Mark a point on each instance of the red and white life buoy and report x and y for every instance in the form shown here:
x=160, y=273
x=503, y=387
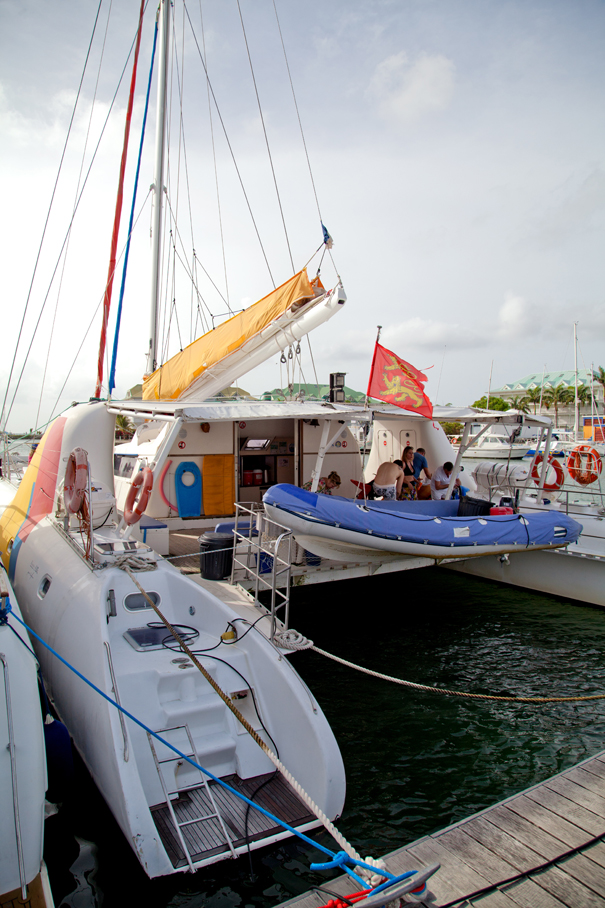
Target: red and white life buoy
x=76, y=480
x=133, y=509
x=556, y=466
x=584, y=465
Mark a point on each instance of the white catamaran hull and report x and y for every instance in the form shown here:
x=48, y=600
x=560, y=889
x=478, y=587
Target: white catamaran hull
x=22, y=764
x=576, y=572
x=83, y=611
x=565, y=573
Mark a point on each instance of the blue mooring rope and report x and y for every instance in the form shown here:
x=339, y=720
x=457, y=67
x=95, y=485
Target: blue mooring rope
x=338, y=859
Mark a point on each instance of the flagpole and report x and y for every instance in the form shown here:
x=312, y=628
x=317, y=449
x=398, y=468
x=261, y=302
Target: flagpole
x=379, y=327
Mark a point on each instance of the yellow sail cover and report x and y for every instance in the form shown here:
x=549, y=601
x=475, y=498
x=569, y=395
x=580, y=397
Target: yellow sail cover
x=174, y=377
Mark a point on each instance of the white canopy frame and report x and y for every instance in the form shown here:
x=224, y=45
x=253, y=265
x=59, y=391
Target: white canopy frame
x=504, y=418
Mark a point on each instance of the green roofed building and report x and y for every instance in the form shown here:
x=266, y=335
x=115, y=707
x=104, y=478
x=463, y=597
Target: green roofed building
x=531, y=387
x=551, y=380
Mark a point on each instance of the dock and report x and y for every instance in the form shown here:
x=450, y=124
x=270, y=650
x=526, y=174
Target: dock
x=542, y=848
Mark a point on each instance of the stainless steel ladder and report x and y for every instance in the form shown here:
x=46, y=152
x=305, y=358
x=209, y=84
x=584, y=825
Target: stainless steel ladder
x=178, y=825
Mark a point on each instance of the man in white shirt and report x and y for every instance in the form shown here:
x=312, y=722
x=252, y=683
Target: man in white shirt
x=441, y=480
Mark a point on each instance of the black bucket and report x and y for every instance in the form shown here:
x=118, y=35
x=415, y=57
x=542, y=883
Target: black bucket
x=216, y=555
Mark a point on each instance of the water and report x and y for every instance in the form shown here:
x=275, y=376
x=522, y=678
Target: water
x=415, y=761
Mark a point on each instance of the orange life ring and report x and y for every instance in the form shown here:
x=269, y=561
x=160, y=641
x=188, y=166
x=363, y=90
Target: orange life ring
x=133, y=509
x=584, y=464
x=76, y=480
x=559, y=474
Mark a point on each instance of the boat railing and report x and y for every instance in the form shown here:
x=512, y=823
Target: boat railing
x=263, y=550
x=591, y=496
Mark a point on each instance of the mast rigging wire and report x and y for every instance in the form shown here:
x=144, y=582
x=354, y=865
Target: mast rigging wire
x=262, y=119
x=302, y=133
x=218, y=199
x=65, y=240
x=116, y=337
x=231, y=152
x=92, y=320
x=118, y=209
x=88, y=128
x=52, y=198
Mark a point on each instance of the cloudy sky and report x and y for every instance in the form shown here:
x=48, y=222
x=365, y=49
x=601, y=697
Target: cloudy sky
x=457, y=153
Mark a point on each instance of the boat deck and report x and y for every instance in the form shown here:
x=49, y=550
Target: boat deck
x=205, y=840
x=542, y=848
x=184, y=554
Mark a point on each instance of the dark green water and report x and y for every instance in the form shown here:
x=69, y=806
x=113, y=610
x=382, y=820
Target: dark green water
x=415, y=762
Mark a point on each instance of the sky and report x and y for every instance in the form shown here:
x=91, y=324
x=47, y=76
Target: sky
x=456, y=150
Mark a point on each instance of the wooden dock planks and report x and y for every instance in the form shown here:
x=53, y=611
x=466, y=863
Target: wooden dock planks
x=516, y=853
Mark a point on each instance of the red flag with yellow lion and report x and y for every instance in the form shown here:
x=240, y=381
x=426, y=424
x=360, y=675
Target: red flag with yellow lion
x=397, y=382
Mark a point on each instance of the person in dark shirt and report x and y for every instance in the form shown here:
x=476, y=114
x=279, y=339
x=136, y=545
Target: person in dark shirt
x=421, y=463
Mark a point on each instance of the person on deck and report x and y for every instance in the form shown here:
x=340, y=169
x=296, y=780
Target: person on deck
x=325, y=484
x=441, y=480
x=388, y=481
x=421, y=465
x=408, y=488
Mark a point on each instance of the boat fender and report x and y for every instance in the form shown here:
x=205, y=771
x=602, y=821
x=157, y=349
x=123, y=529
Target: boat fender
x=76, y=480
x=133, y=509
x=584, y=465
x=559, y=474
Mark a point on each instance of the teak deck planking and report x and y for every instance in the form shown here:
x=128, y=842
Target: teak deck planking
x=497, y=858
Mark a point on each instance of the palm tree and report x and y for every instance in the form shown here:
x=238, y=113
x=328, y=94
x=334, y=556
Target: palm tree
x=521, y=404
x=533, y=396
x=124, y=426
x=556, y=397
x=584, y=395
x=598, y=375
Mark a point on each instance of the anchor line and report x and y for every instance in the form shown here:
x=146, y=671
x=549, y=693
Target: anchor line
x=293, y=640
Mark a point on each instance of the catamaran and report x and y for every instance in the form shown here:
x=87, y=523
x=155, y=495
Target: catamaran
x=163, y=665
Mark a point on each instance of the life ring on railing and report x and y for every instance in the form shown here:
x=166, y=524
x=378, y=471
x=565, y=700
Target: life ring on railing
x=76, y=480
x=133, y=509
x=584, y=464
x=559, y=474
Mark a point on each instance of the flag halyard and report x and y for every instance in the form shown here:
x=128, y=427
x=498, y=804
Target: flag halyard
x=396, y=382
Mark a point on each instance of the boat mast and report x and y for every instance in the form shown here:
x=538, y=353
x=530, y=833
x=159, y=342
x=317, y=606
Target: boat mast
x=489, y=387
x=576, y=420
x=158, y=183
x=592, y=404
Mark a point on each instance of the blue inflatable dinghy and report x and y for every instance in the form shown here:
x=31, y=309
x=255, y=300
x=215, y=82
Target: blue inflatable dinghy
x=347, y=529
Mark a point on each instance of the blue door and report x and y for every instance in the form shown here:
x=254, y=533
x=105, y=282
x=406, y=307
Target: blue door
x=188, y=485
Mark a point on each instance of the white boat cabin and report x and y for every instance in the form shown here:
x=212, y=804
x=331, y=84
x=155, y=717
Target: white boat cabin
x=207, y=456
